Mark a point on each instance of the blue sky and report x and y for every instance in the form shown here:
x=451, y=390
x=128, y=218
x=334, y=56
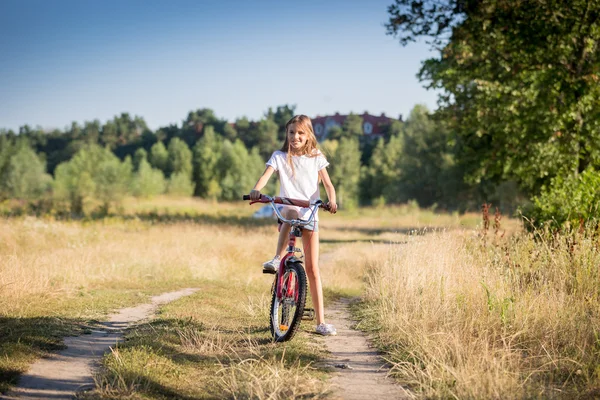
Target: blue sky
x=79, y=60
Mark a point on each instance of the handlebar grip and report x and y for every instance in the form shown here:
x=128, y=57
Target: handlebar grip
x=246, y=197
x=325, y=206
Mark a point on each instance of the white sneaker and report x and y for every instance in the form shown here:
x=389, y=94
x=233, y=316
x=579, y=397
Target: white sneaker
x=326, y=330
x=272, y=265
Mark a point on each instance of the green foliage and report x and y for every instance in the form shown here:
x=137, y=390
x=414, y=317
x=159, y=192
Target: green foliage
x=139, y=155
x=281, y=116
x=93, y=173
x=428, y=171
x=159, y=157
x=122, y=129
x=351, y=129
x=572, y=201
x=24, y=175
x=198, y=121
x=180, y=158
x=238, y=168
x=180, y=184
x=6, y=150
x=112, y=179
x=413, y=160
x=207, y=153
x=345, y=172
x=380, y=177
x=147, y=181
x=263, y=135
x=520, y=83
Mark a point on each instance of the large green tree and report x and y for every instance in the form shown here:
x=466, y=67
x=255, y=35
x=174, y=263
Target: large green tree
x=520, y=82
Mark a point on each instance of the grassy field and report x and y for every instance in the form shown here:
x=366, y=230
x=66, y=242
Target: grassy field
x=513, y=318
x=459, y=314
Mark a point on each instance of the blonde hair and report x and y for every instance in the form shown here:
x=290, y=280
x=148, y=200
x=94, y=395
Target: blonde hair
x=310, y=149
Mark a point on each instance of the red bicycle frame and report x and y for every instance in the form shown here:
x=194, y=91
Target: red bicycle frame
x=291, y=242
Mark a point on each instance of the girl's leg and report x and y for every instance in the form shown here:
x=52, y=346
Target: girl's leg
x=310, y=241
x=284, y=232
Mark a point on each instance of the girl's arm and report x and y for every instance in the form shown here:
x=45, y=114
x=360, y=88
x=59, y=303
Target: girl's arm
x=324, y=176
x=262, y=181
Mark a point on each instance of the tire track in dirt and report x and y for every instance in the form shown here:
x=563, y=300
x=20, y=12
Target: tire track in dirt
x=63, y=374
x=361, y=373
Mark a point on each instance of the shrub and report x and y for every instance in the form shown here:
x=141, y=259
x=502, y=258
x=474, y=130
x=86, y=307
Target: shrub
x=568, y=201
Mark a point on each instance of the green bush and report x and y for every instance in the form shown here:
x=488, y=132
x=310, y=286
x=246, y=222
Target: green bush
x=24, y=176
x=180, y=184
x=148, y=181
x=94, y=173
x=568, y=201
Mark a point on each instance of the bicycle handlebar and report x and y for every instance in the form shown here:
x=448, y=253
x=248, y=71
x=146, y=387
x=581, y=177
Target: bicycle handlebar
x=291, y=202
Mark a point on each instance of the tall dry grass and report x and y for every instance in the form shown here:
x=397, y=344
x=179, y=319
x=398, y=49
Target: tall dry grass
x=51, y=262
x=464, y=319
x=78, y=270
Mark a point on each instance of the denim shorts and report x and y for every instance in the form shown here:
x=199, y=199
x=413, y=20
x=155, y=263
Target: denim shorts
x=313, y=226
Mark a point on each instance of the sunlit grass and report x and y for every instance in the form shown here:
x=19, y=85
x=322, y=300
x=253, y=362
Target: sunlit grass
x=462, y=318
x=59, y=275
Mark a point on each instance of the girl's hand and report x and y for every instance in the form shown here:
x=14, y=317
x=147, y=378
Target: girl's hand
x=332, y=207
x=254, y=195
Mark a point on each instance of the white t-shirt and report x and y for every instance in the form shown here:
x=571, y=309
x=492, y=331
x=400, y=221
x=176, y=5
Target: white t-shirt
x=304, y=185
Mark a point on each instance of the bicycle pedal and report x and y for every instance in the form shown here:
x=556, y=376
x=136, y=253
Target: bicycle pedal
x=268, y=271
x=309, y=314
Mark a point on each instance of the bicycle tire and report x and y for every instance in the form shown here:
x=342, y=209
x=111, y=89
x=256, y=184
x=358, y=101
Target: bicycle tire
x=283, y=325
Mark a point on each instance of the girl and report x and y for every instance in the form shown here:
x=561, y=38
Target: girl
x=301, y=166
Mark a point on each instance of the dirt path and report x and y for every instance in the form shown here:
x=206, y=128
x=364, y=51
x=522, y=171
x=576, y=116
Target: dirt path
x=70, y=371
x=361, y=372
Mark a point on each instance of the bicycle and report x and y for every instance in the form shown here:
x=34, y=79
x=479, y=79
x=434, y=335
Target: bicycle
x=290, y=286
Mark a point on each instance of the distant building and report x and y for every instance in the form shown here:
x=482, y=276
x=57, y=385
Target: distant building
x=372, y=125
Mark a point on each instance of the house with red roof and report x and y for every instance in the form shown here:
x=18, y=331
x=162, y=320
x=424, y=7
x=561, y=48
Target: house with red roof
x=372, y=125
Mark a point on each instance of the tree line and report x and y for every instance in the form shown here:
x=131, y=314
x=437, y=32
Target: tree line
x=211, y=158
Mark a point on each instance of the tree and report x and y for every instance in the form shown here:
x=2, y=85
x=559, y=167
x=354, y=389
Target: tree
x=159, y=157
x=139, y=156
x=91, y=132
x=112, y=179
x=380, y=179
x=6, y=151
x=281, y=116
x=93, y=173
x=345, y=172
x=264, y=136
x=147, y=181
x=180, y=158
x=425, y=159
x=351, y=128
x=25, y=174
x=519, y=81
x=207, y=153
x=239, y=169
x=180, y=184
x=109, y=136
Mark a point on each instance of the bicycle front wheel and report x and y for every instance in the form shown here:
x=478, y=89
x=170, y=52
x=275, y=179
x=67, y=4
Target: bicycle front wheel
x=287, y=311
